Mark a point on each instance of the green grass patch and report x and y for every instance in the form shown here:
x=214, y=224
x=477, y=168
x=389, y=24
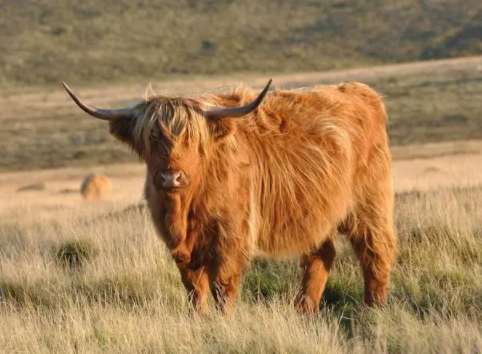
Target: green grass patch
x=73, y=254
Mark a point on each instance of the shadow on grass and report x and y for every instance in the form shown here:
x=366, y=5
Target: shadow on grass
x=267, y=279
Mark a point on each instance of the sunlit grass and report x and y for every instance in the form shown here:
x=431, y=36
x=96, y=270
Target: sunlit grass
x=127, y=296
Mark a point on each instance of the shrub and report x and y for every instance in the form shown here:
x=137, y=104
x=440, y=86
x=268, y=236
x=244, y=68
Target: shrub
x=74, y=253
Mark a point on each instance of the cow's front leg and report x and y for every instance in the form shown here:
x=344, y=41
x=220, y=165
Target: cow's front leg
x=182, y=253
x=233, y=251
x=225, y=291
x=196, y=282
x=225, y=274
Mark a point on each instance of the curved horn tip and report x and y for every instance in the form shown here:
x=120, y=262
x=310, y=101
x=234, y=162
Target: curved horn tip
x=69, y=90
x=265, y=90
x=239, y=111
x=104, y=114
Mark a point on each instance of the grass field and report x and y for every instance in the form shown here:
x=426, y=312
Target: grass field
x=94, y=278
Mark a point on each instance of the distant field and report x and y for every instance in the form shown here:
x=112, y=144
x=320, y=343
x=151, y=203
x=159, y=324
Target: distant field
x=427, y=102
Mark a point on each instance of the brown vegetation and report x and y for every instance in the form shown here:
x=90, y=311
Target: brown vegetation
x=96, y=186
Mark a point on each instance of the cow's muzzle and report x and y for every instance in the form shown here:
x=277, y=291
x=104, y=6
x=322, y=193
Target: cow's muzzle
x=171, y=179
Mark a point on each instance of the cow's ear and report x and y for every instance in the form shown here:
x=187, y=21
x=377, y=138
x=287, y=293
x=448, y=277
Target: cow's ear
x=121, y=129
x=222, y=129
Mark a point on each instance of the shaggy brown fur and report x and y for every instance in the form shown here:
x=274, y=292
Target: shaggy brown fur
x=278, y=181
x=96, y=187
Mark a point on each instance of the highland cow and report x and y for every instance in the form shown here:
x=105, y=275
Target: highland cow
x=95, y=186
x=229, y=178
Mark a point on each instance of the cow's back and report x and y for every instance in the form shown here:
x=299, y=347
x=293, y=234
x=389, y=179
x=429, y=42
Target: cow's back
x=311, y=155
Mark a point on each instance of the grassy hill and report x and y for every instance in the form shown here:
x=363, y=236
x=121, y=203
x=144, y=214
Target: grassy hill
x=429, y=101
x=88, y=41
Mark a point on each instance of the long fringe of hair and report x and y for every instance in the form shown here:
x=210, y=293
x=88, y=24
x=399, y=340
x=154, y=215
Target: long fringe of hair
x=175, y=118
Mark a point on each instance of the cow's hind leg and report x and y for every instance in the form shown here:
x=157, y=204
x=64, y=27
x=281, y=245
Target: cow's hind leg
x=376, y=256
x=371, y=234
x=316, y=268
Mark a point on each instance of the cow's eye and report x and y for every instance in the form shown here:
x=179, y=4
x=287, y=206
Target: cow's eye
x=163, y=149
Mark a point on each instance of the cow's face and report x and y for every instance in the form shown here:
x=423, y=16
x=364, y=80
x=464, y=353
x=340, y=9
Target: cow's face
x=173, y=165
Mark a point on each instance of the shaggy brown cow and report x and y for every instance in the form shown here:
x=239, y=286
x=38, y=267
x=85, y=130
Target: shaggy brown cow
x=227, y=180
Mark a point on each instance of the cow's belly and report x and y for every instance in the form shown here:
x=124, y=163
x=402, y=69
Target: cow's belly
x=295, y=239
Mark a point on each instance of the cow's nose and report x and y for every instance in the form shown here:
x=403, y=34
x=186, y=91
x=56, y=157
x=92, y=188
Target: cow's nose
x=171, y=179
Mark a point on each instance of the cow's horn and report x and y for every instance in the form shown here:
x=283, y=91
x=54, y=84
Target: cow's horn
x=105, y=114
x=219, y=113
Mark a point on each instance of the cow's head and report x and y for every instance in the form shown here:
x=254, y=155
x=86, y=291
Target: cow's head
x=172, y=135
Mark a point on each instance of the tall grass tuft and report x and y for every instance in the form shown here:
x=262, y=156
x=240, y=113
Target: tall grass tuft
x=73, y=254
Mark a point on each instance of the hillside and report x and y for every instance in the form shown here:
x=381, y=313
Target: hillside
x=45, y=41
x=428, y=101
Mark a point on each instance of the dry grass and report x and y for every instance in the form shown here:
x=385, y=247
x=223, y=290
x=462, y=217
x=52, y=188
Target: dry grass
x=126, y=295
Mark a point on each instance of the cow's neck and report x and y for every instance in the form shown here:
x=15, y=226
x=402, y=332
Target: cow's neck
x=177, y=210
x=198, y=205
